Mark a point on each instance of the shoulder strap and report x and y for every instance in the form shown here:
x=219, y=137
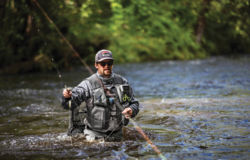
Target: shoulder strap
x=94, y=81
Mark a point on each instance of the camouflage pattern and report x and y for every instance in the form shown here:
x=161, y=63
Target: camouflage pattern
x=99, y=115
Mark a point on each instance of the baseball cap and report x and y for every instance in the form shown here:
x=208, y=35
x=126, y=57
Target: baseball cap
x=102, y=55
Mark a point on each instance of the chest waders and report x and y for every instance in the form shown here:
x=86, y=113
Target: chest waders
x=103, y=115
x=76, y=119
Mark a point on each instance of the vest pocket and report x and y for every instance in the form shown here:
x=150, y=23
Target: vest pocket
x=99, y=97
x=99, y=117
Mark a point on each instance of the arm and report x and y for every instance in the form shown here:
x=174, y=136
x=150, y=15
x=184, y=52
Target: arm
x=75, y=97
x=133, y=108
x=134, y=105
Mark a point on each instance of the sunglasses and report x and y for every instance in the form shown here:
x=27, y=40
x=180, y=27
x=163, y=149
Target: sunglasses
x=103, y=64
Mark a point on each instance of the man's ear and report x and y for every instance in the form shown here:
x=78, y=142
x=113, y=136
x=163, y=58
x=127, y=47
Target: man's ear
x=96, y=65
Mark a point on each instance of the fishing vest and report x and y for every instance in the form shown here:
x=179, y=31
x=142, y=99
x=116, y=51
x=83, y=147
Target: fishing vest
x=102, y=113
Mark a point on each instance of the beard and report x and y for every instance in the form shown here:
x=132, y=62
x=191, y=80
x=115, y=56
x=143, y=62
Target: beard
x=107, y=72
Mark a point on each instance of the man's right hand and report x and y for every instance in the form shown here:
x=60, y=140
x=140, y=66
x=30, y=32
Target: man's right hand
x=67, y=93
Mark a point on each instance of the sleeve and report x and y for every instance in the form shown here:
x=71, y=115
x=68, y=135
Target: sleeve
x=79, y=94
x=134, y=103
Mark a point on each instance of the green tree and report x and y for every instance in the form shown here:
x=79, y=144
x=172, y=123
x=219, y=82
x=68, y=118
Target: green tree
x=143, y=30
x=135, y=31
x=227, y=30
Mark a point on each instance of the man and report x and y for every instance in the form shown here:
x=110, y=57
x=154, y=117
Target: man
x=109, y=102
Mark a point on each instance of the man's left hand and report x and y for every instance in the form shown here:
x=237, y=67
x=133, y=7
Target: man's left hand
x=127, y=112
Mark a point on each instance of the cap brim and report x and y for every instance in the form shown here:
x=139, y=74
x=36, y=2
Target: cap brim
x=107, y=58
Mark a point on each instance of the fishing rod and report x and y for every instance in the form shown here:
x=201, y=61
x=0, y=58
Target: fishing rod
x=138, y=128
x=52, y=60
x=63, y=37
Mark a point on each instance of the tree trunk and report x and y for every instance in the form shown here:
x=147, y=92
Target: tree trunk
x=202, y=20
x=29, y=24
x=2, y=9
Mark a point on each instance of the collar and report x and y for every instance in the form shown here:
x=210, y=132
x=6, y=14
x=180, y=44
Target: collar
x=106, y=81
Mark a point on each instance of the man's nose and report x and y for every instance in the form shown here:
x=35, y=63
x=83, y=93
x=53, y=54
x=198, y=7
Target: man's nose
x=107, y=66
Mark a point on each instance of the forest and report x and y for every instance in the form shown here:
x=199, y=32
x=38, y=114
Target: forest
x=134, y=30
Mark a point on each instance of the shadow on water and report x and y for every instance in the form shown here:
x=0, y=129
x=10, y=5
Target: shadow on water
x=190, y=110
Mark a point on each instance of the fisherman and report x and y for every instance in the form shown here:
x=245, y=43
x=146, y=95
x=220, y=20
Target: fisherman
x=108, y=102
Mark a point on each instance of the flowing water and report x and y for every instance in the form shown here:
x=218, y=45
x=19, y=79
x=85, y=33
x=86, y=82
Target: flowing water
x=190, y=109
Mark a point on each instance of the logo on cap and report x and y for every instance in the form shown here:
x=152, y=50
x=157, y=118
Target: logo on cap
x=105, y=53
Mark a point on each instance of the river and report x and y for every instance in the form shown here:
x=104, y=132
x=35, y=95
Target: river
x=197, y=109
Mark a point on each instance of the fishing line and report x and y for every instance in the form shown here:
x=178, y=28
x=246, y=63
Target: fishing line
x=155, y=148
x=91, y=72
x=56, y=67
x=139, y=129
x=65, y=87
x=53, y=63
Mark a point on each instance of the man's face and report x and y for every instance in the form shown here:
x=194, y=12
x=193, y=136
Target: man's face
x=104, y=68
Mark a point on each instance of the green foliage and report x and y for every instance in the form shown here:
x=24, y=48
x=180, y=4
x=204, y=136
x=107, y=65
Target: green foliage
x=144, y=32
x=135, y=31
x=228, y=27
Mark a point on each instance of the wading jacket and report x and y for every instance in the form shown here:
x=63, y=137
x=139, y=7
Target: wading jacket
x=102, y=113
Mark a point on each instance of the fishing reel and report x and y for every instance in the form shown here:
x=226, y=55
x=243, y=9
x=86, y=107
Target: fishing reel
x=69, y=89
